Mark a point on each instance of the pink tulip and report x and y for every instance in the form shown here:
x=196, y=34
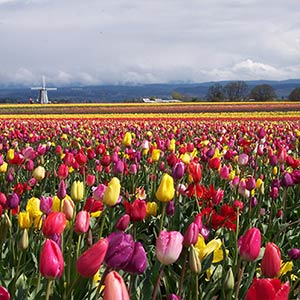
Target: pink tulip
x=82, y=222
x=51, y=260
x=115, y=288
x=90, y=261
x=249, y=244
x=168, y=246
x=4, y=294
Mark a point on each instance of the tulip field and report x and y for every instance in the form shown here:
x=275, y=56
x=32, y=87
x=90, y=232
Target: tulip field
x=139, y=206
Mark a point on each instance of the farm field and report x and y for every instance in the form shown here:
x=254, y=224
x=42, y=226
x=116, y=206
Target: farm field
x=139, y=201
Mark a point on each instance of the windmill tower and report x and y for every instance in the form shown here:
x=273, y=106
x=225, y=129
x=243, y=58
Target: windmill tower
x=43, y=95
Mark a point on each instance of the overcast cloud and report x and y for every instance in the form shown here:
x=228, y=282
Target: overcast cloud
x=140, y=41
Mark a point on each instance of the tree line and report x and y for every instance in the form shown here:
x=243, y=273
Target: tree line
x=239, y=91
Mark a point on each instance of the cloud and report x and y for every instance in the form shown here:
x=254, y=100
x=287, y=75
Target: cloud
x=148, y=41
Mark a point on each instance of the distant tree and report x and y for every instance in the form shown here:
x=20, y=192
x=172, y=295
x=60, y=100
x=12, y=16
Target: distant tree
x=236, y=90
x=263, y=92
x=177, y=96
x=295, y=94
x=215, y=92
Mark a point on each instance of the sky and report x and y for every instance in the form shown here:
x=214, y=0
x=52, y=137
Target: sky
x=88, y=42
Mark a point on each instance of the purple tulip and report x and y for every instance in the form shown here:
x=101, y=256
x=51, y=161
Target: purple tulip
x=62, y=190
x=120, y=250
x=287, y=180
x=138, y=262
x=46, y=204
x=273, y=160
x=250, y=183
x=178, y=170
x=294, y=254
x=118, y=167
x=13, y=201
x=170, y=209
x=98, y=192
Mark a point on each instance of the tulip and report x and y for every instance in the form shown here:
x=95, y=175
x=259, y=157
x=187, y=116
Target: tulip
x=112, y=192
x=82, y=222
x=80, y=158
x=136, y=210
x=24, y=220
x=63, y=171
x=118, y=167
x=123, y=222
x=77, y=191
x=98, y=192
x=155, y=155
x=120, y=250
x=173, y=297
x=115, y=288
x=195, y=263
x=62, y=190
x=138, y=262
x=39, y=173
x=127, y=139
x=195, y=170
x=270, y=264
x=178, y=170
x=4, y=294
x=224, y=172
x=243, y=159
x=10, y=154
x=229, y=281
x=170, y=208
x=166, y=190
x=287, y=180
x=294, y=253
x=191, y=235
x=33, y=207
x=89, y=262
x=29, y=165
x=168, y=246
x=249, y=244
x=90, y=179
x=13, y=201
x=51, y=260
x=151, y=209
x=24, y=241
x=250, y=183
x=268, y=289
x=46, y=204
x=55, y=223
x=68, y=208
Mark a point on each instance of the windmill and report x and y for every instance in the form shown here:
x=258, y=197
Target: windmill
x=43, y=95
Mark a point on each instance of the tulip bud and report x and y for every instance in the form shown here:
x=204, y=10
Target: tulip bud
x=46, y=204
x=82, y=222
x=10, y=154
x=195, y=263
x=249, y=244
x=178, y=170
x=170, y=208
x=115, y=287
x=229, y=281
x=39, y=173
x=168, y=246
x=90, y=180
x=127, y=139
x=112, y=192
x=68, y=208
x=13, y=201
x=155, y=155
x=77, y=191
x=294, y=254
x=123, y=222
x=62, y=190
x=51, y=263
x=24, y=241
x=270, y=264
x=166, y=190
x=90, y=261
x=191, y=235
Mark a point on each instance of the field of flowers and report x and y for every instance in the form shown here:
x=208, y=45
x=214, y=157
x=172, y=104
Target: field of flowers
x=198, y=206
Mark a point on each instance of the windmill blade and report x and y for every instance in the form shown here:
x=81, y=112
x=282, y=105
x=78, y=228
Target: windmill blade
x=44, y=82
x=36, y=88
x=51, y=89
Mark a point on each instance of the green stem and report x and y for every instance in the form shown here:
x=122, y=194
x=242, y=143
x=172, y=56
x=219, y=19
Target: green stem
x=164, y=205
x=78, y=245
x=182, y=273
x=154, y=295
x=239, y=281
x=196, y=287
x=48, y=289
x=72, y=287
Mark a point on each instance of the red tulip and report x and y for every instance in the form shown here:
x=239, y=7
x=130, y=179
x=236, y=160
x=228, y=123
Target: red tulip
x=249, y=244
x=270, y=264
x=51, y=260
x=90, y=261
x=268, y=289
x=195, y=171
x=82, y=222
x=63, y=171
x=115, y=288
x=55, y=223
x=4, y=294
x=136, y=210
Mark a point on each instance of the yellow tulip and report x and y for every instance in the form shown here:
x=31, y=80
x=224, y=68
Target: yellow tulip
x=275, y=171
x=24, y=220
x=151, y=209
x=112, y=192
x=3, y=167
x=77, y=190
x=166, y=190
x=10, y=154
x=33, y=207
x=155, y=155
x=39, y=173
x=172, y=146
x=185, y=158
x=127, y=139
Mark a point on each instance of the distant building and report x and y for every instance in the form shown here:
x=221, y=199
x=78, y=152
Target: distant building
x=159, y=100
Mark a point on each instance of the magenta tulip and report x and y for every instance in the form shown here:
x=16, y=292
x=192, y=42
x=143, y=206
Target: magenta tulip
x=51, y=260
x=90, y=261
x=249, y=244
x=138, y=262
x=4, y=294
x=191, y=235
x=82, y=222
x=168, y=246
